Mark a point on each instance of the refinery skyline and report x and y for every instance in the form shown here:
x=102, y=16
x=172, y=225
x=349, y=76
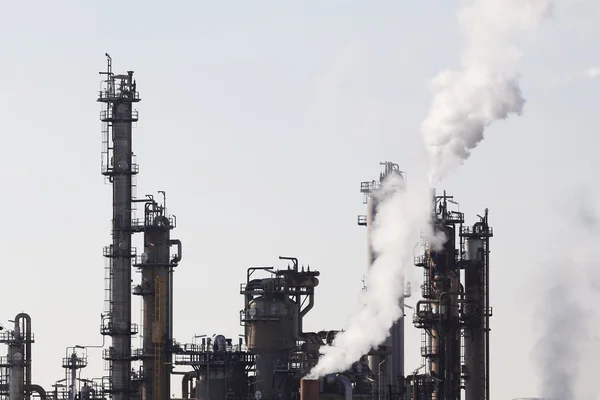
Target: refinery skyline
x=260, y=123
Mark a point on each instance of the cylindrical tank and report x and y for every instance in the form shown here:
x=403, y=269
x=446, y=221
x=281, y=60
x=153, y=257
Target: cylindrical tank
x=220, y=343
x=271, y=328
x=309, y=389
x=370, y=220
x=214, y=388
x=474, y=329
x=16, y=372
x=473, y=250
x=271, y=323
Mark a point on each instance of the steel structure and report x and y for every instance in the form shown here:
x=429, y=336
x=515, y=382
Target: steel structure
x=156, y=265
x=15, y=368
x=274, y=309
x=152, y=380
x=119, y=94
x=221, y=369
x=454, y=313
x=276, y=353
x=388, y=359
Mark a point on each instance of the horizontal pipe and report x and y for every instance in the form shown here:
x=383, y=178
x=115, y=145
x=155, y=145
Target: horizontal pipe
x=34, y=388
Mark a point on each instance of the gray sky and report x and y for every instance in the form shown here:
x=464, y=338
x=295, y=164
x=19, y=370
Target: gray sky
x=260, y=119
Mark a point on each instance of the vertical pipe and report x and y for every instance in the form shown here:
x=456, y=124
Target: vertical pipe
x=486, y=311
x=347, y=386
x=73, y=376
x=455, y=339
x=23, y=327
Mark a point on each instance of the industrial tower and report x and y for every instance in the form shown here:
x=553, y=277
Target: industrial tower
x=118, y=94
x=454, y=313
x=156, y=266
x=152, y=380
x=387, y=362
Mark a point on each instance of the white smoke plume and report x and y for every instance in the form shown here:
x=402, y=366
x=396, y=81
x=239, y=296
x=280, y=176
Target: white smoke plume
x=593, y=72
x=565, y=316
x=465, y=102
x=401, y=216
x=486, y=89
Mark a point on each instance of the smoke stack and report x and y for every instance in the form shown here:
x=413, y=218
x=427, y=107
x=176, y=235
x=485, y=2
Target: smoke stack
x=309, y=389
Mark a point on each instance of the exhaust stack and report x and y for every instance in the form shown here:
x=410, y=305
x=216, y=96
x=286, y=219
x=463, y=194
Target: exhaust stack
x=309, y=389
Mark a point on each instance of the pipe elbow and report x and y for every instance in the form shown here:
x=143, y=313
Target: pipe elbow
x=39, y=390
x=177, y=258
x=347, y=386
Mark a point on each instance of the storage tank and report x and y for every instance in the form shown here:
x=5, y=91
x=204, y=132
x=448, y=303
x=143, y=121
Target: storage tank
x=271, y=324
x=213, y=388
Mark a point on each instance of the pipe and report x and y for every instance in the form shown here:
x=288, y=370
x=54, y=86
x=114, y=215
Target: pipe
x=39, y=390
x=347, y=386
x=27, y=358
x=309, y=389
x=422, y=302
x=185, y=383
x=34, y=388
x=177, y=258
x=74, y=376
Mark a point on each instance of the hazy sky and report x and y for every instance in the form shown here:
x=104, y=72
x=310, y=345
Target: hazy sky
x=260, y=119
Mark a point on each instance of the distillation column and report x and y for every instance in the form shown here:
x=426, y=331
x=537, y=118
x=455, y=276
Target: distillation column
x=118, y=94
x=389, y=368
x=477, y=310
x=19, y=358
x=157, y=266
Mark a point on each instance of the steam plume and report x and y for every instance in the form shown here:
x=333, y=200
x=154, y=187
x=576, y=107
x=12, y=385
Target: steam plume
x=486, y=88
x=562, y=317
x=594, y=72
x=464, y=104
x=401, y=216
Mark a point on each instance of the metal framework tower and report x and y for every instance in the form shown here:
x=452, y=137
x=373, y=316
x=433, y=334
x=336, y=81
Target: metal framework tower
x=156, y=266
x=388, y=361
x=18, y=361
x=475, y=244
x=118, y=94
x=73, y=362
x=455, y=312
x=274, y=309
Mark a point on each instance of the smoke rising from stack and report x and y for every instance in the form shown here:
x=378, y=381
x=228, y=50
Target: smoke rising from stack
x=465, y=102
x=401, y=216
x=486, y=89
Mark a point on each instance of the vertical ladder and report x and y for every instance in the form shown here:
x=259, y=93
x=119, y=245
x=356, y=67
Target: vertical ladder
x=484, y=324
x=157, y=338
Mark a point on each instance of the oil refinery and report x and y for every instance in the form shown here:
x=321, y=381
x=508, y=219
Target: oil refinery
x=274, y=355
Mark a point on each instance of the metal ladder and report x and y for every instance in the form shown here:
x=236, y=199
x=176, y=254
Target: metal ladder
x=157, y=338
